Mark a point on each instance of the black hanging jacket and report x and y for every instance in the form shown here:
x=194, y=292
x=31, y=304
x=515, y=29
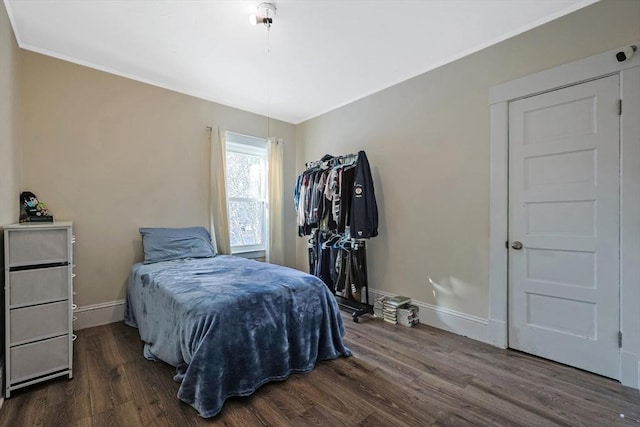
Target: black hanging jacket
x=364, y=209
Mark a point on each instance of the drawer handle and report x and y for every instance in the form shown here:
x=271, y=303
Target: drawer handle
x=74, y=318
x=74, y=306
x=73, y=337
x=73, y=275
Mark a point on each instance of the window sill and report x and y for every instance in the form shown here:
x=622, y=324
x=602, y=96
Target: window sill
x=260, y=255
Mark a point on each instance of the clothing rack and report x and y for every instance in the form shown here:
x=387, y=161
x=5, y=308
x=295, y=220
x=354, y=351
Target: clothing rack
x=335, y=205
x=348, y=282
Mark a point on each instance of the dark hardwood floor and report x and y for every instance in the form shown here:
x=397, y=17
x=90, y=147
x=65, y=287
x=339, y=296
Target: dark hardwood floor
x=417, y=376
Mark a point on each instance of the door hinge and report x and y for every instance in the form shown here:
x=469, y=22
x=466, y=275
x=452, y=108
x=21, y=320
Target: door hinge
x=506, y=244
x=619, y=107
x=620, y=339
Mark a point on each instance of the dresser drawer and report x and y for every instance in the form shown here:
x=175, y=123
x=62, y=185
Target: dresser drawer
x=39, y=321
x=37, y=246
x=39, y=358
x=39, y=285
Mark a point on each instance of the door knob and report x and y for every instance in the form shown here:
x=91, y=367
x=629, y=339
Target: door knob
x=517, y=245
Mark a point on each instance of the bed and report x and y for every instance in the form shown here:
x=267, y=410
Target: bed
x=229, y=324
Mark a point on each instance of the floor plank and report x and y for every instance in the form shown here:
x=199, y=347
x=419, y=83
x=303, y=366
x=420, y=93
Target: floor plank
x=398, y=376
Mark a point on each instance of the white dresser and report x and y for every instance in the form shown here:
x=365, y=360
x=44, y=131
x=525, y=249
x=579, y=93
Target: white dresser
x=38, y=262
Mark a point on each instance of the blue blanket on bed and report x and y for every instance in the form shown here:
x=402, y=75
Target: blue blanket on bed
x=229, y=324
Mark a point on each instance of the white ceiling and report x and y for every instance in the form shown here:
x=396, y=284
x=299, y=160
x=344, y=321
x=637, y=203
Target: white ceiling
x=323, y=53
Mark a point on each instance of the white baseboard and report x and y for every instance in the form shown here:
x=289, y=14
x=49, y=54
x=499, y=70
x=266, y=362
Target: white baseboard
x=439, y=317
x=98, y=314
x=459, y=323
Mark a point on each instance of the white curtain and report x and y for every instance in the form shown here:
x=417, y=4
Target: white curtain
x=275, y=252
x=219, y=219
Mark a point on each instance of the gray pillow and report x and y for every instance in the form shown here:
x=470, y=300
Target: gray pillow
x=165, y=244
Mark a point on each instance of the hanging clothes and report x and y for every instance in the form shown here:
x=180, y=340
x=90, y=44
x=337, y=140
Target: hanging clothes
x=335, y=204
x=364, y=209
x=339, y=262
x=337, y=195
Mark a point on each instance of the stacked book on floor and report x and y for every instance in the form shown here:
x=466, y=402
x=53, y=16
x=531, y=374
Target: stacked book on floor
x=391, y=305
x=378, y=307
x=408, y=315
x=396, y=310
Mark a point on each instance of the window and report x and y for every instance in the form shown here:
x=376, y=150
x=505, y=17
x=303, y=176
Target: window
x=246, y=158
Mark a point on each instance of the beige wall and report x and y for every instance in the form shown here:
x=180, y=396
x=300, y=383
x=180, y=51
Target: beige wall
x=427, y=140
x=10, y=163
x=112, y=155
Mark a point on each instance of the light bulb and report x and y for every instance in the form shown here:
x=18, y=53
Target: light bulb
x=264, y=15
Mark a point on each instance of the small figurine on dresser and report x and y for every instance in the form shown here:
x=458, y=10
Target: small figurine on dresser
x=33, y=210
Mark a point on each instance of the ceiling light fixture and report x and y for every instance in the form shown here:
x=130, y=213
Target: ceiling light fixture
x=264, y=15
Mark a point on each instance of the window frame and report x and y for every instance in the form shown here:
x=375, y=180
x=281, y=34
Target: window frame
x=253, y=146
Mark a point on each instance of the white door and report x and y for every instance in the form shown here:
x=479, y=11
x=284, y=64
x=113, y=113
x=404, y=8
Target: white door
x=564, y=209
